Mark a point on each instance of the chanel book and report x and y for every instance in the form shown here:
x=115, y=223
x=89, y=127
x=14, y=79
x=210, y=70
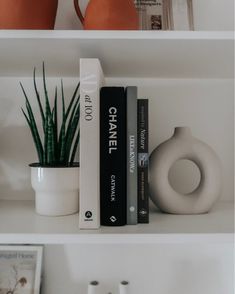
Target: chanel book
x=91, y=80
x=113, y=156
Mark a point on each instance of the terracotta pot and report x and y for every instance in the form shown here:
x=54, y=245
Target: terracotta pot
x=109, y=15
x=28, y=14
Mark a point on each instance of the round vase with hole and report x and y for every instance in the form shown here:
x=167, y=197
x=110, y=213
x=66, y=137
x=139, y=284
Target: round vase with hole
x=182, y=145
x=56, y=189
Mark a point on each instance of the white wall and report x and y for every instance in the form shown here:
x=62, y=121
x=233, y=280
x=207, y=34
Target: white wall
x=150, y=269
x=208, y=15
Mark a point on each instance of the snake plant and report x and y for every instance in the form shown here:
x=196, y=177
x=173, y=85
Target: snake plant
x=58, y=144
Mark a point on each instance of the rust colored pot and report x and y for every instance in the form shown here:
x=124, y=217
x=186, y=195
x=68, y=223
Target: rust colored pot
x=28, y=14
x=108, y=15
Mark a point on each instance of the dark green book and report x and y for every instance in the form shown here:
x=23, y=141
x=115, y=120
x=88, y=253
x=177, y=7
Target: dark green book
x=113, y=156
x=143, y=161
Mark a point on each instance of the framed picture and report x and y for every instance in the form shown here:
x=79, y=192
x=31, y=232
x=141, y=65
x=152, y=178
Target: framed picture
x=20, y=269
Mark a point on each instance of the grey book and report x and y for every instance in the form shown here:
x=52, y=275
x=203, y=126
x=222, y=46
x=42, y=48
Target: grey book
x=132, y=174
x=143, y=161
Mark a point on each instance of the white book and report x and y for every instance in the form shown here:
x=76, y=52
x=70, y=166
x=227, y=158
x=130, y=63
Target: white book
x=91, y=80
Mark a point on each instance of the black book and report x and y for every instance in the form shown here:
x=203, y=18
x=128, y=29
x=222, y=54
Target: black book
x=143, y=161
x=113, y=156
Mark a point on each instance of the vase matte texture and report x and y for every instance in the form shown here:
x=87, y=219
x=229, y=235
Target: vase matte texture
x=109, y=15
x=28, y=14
x=182, y=145
x=56, y=190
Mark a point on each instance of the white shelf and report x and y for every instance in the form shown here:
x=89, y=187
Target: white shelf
x=164, y=54
x=20, y=224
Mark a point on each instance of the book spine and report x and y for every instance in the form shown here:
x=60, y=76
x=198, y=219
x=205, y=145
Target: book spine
x=91, y=79
x=113, y=156
x=131, y=96
x=143, y=189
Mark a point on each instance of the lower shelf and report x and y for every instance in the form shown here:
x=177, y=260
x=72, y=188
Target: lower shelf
x=19, y=224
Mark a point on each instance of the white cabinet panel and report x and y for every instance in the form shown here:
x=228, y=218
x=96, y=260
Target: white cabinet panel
x=150, y=269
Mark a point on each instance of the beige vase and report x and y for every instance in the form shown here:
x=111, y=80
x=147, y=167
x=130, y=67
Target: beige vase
x=182, y=145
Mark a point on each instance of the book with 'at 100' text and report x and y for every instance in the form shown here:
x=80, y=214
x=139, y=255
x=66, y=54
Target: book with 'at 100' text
x=91, y=80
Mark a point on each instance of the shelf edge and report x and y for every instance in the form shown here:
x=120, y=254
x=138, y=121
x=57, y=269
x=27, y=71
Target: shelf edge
x=110, y=35
x=116, y=238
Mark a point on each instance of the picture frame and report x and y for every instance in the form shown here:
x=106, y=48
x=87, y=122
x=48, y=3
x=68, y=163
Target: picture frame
x=20, y=269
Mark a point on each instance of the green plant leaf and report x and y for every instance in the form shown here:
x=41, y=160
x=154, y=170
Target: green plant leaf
x=63, y=126
x=72, y=100
x=47, y=103
x=39, y=151
x=45, y=159
x=55, y=126
x=72, y=116
x=38, y=97
x=71, y=132
x=75, y=147
x=50, y=142
x=26, y=117
x=33, y=126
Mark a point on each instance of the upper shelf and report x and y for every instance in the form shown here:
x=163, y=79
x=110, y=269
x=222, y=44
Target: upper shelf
x=20, y=224
x=162, y=54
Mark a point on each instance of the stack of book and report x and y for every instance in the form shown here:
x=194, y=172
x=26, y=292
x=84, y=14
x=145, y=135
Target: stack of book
x=113, y=152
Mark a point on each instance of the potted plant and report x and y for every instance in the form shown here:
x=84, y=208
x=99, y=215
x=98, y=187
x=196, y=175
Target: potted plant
x=55, y=178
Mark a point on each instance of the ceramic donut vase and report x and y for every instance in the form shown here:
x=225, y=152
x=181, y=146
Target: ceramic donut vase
x=182, y=145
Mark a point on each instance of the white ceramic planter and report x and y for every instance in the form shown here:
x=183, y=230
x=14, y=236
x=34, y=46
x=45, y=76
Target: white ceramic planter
x=56, y=190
